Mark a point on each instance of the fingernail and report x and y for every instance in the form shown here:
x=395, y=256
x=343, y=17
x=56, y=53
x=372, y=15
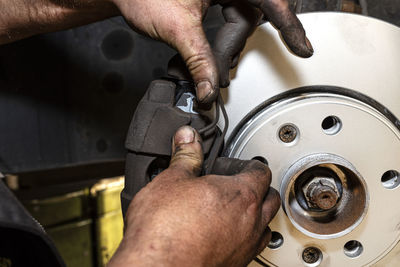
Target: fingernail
x=204, y=89
x=184, y=135
x=309, y=46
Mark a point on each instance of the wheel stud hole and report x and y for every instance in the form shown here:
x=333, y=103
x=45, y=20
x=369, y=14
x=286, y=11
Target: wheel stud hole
x=276, y=241
x=331, y=125
x=391, y=179
x=353, y=249
x=261, y=159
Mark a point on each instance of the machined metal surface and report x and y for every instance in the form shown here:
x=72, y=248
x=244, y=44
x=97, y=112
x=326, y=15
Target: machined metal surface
x=324, y=223
x=364, y=210
x=351, y=126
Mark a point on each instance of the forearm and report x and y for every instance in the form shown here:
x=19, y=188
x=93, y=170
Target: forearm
x=24, y=18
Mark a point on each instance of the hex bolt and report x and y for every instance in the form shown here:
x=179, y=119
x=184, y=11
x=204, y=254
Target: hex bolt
x=312, y=255
x=287, y=133
x=324, y=197
x=321, y=193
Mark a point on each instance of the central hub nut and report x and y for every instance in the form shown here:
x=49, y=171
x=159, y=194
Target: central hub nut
x=324, y=196
x=321, y=193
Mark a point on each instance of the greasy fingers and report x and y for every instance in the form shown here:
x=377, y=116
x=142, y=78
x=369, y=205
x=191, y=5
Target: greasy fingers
x=278, y=12
x=269, y=209
x=264, y=240
x=241, y=20
x=257, y=176
x=252, y=174
x=229, y=166
x=270, y=206
x=195, y=50
x=187, y=154
x=179, y=24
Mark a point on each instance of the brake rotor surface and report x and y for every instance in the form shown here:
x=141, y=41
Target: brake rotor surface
x=328, y=128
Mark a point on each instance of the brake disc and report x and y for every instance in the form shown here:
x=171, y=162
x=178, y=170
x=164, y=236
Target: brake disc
x=327, y=126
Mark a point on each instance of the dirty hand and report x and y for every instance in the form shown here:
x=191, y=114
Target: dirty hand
x=181, y=219
x=179, y=23
x=176, y=22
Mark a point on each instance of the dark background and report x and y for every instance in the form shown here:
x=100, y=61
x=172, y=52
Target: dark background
x=67, y=98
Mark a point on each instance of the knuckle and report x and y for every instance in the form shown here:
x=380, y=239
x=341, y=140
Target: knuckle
x=185, y=160
x=198, y=62
x=209, y=193
x=186, y=156
x=186, y=150
x=212, y=193
x=249, y=196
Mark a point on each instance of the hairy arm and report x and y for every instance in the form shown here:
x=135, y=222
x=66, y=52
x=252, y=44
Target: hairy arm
x=175, y=22
x=23, y=18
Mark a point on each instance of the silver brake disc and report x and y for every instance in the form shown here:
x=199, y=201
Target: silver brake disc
x=328, y=128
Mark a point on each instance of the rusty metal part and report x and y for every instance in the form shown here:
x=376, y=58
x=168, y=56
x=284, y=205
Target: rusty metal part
x=351, y=6
x=321, y=192
x=344, y=216
x=312, y=256
x=324, y=197
x=288, y=133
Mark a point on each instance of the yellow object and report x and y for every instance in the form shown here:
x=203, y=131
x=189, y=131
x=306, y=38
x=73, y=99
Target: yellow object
x=86, y=226
x=109, y=222
x=74, y=242
x=59, y=209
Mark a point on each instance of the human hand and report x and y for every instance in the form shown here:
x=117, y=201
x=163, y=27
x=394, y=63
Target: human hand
x=176, y=22
x=181, y=219
x=179, y=23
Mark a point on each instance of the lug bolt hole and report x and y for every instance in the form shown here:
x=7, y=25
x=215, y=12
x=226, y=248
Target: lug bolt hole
x=353, y=249
x=276, y=241
x=391, y=179
x=312, y=256
x=331, y=125
x=261, y=159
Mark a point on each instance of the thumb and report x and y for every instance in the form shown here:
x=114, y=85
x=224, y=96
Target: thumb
x=187, y=154
x=195, y=50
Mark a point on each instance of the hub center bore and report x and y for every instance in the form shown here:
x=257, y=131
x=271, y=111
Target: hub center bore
x=324, y=196
x=335, y=184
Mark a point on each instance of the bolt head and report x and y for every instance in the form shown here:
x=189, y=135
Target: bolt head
x=321, y=193
x=311, y=255
x=287, y=133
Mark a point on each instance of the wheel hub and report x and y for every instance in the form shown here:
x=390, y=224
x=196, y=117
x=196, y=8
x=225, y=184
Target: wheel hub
x=328, y=176
x=333, y=151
